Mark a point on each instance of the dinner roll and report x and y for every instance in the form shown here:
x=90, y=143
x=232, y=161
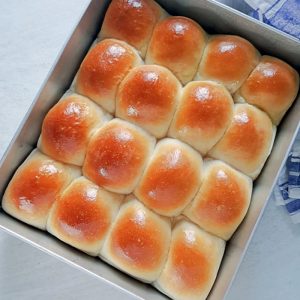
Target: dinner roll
x=117, y=155
x=222, y=201
x=193, y=262
x=171, y=179
x=68, y=127
x=82, y=215
x=204, y=112
x=35, y=186
x=148, y=97
x=138, y=241
x=248, y=140
x=228, y=59
x=131, y=21
x=102, y=70
x=177, y=43
x=272, y=86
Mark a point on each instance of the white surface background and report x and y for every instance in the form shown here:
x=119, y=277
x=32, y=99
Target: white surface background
x=32, y=33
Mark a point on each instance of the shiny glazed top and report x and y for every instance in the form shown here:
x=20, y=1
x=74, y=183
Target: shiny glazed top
x=247, y=141
x=81, y=214
x=203, y=114
x=102, y=70
x=228, y=59
x=177, y=43
x=147, y=96
x=116, y=155
x=131, y=21
x=36, y=186
x=171, y=179
x=139, y=240
x=222, y=200
x=272, y=86
x=67, y=127
x=192, y=262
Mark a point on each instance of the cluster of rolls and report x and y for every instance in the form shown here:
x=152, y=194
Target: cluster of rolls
x=157, y=190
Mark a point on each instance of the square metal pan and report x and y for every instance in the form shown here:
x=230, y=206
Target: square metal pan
x=215, y=18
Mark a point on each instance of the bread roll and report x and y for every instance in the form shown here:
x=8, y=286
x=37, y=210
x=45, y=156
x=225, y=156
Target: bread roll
x=81, y=217
x=192, y=265
x=138, y=241
x=228, y=59
x=35, y=186
x=102, y=70
x=148, y=97
x=68, y=127
x=117, y=155
x=171, y=179
x=272, y=86
x=222, y=201
x=248, y=140
x=131, y=21
x=204, y=112
x=177, y=43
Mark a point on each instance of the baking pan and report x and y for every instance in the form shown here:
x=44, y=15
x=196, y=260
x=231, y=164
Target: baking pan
x=215, y=18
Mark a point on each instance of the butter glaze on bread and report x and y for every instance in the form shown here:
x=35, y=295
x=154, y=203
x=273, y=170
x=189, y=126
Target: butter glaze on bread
x=83, y=214
x=148, y=97
x=102, y=70
x=172, y=231
x=35, y=186
x=68, y=127
x=193, y=262
x=222, y=201
x=203, y=114
x=138, y=241
x=272, y=86
x=131, y=21
x=248, y=140
x=177, y=43
x=117, y=155
x=171, y=178
x=228, y=59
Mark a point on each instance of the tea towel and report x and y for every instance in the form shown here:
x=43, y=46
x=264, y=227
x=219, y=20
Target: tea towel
x=287, y=189
x=282, y=14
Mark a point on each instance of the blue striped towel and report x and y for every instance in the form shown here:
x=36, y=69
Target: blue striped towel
x=282, y=14
x=287, y=190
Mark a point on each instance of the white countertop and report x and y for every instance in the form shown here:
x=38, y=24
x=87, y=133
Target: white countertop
x=31, y=34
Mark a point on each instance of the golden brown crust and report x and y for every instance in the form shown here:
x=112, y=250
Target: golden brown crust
x=67, y=128
x=35, y=186
x=222, y=201
x=102, y=70
x=79, y=209
x=121, y=158
x=82, y=215
x=204, y=112
x=193, y=261
x=138, y=242
x=148, y=97
x=171, y=178
x=248, y=140
x=272, y=86
x=131, y=21
x=116, y=156
x=228, y=59
x=177, y=43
